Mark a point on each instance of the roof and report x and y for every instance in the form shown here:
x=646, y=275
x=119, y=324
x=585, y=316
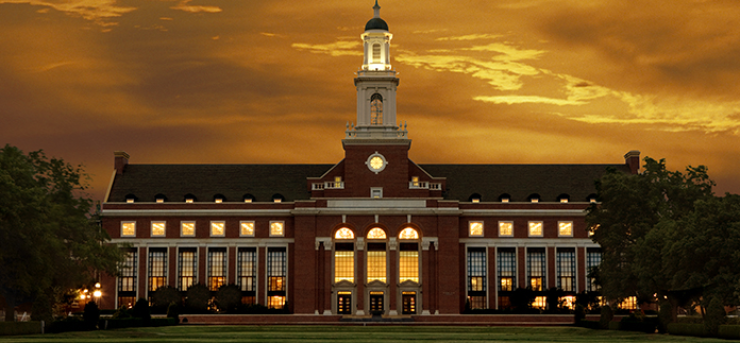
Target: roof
x=376, y=24
x=520, y=181
x=175, y=181
x=262, y=181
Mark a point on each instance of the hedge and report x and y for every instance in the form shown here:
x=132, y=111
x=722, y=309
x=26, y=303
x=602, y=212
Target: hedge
x=19, y=328
x=589, y=324
x=646, y=325
x=135, y=322
x=682, y=329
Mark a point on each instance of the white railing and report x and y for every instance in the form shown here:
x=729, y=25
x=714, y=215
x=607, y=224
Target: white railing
x=320, y=186
x=425, y=185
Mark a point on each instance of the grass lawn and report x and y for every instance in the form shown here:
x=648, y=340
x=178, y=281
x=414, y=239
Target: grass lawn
x=353, y=334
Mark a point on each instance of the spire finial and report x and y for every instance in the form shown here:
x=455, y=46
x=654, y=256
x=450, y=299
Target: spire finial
x=376, y=8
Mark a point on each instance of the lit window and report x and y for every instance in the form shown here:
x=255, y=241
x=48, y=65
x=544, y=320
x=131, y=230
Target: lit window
x=408, y=233
x=563, y=200
x=376, y=262
x=158, y=229
x=277, y=229
x=535, y=229
x=408, y=262
x=218, y=229
x=535, y=200
x=376, y=233
x=592, y=230
x=344, y=233
x=506, y=263
x=160, y=200
x=476, y=200
x=629, y=303
x=376, y=109
x=189, y=200
x=246, y=229
x=565, y=229
x=344, y=262
x=187, y=229
x=540, y=302
x=592, y=200
x=276, y=277
x=506, y=229
x=477, y=277
x=130, y=200
x=157, y=268
x=187, y=265
x=415, y=181
x=565, y=262
x=338, y=182
x=219, y=200
x=128, y=229
x=216, y=268
x=536, y=268
x=376, y=53
x=475, y=229
x=276, y=301
x=277, y=200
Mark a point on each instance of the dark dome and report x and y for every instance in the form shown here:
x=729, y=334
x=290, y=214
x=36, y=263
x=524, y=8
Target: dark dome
x=376, y=24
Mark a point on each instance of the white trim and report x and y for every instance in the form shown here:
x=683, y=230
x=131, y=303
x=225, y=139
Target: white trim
x=533, y=242
x=242, y=222
x=146, y=242
x=110, y=186
x=196, y=212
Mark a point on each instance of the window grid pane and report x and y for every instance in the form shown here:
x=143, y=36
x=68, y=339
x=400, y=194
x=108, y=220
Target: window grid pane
x=409, y=266
x=216, y=268
x=506, y=269
x=476, y=270
x=157, y=268
x=276, y=270
x=127, y=270
x=344, y=266
x=376, y=265
x=593, y=260
x=536, y=268
x=566, y=262
x=188, y=267
x=246, y=269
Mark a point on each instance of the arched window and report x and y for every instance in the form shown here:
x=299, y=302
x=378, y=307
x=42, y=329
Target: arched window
x=408, y=233
x=344, y=233
x=376, y=256
x=376, y=109
x=376, y=233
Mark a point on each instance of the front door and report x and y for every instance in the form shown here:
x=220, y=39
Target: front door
x=409, y=302
x=376, y=302
x=344, y=303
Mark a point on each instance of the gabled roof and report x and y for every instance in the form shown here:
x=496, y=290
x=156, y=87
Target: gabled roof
x=204, y=181
x=519, y=181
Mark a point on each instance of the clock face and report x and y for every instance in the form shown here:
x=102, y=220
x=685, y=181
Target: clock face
x=376, y=163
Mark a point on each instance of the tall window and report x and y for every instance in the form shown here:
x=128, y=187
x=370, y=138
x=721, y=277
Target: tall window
x=246, y=272
x=376, y=262
x=376, y=109
x=276, y=277
x=157, y=268
x=187, y=265
x=536, y=268
x=566, y=262
x=408, y=262
x=127, y=280
x=477, y=277
x=506, y=260
x=344, y=262
x=593, y=260
x=216, y=268
x=376, y=53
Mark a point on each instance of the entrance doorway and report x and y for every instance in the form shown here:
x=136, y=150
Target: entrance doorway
x=344, y=302
x=376, y=302
x=409, y=302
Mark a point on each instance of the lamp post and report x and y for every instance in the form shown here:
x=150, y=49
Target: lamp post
x=97, y=293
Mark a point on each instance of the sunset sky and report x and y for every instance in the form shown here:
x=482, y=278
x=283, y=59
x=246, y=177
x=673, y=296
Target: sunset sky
x=196, y=81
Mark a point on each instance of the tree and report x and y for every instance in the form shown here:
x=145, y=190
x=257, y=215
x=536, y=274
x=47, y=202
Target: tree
x=48, y=242
x=633, y=221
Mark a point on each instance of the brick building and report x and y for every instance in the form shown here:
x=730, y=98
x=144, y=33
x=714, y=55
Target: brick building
x=373, y=232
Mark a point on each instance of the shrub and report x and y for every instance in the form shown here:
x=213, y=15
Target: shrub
x=91, y=315
x=606, y=317
x=579, y=314
x=589, y=324
x=228, y=298
x=729, y=331
x=19, y=328
x=173, y=311
x=68, y=324
x=197, y=299
x=715, y=316
x=521, y=299
x=665, y=316
x=164, y=296
x=122, y=313
x=41, y=308
x=682, y=329
x=141, y=310
x=641, y=323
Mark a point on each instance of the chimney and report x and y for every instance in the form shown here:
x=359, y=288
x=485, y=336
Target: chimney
x=632, y=159
x=121, y=161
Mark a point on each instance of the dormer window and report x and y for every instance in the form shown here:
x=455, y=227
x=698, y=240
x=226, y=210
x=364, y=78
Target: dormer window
x=129, y=200
x=189, y=200
x=338, y=182
x=563, y=198
x=592, y=198
x=415, y=181
x=534, y=198
x=504, y=197
x=248, y=198
x=277, y=198
x=474, y=198
x=160, y=198
x=218, y=198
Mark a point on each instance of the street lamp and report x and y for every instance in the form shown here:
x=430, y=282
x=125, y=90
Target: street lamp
x=97, y=293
